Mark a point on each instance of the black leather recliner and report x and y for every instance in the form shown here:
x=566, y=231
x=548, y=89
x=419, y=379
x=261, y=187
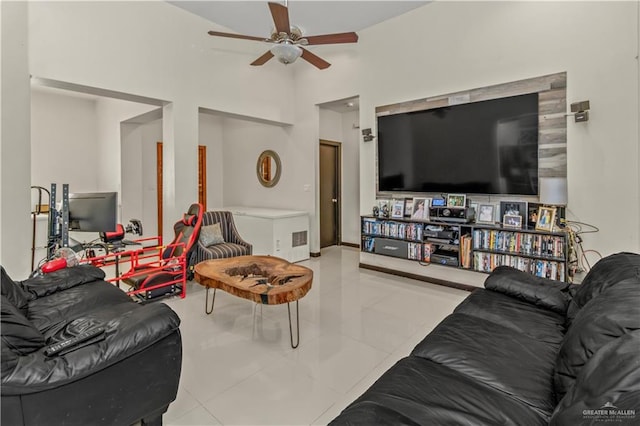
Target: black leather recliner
x=126, y=374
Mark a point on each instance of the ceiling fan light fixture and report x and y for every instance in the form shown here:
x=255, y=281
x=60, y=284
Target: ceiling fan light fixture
x=286, y=52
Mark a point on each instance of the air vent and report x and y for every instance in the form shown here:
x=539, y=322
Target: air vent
x=299, y=239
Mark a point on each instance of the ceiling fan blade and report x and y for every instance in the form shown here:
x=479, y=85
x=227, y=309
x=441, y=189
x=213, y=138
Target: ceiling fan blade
x=333, y=38
x=314, y=60
x=231, y=35
x=280, y=16
x=262, y=59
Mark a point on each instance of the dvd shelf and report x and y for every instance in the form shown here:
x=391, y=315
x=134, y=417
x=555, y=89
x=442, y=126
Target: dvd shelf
x=538, y=245
x=487, y=262
x=475, y=247
x=423, y=241
x=392, y=229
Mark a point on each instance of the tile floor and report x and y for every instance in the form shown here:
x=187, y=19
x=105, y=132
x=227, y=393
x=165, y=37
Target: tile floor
x=238, y=367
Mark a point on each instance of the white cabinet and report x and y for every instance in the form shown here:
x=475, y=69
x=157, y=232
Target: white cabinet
x=281, y=233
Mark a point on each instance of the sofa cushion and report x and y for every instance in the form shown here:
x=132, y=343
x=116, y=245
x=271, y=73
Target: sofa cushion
x=537, y=323
x=211, y=235
x=614, y=312
x=13, y=292
x=18, y=334
x=604, y=274
x=495, y=355
x=543, y=292
x=44, y=285
x=52, y=313
x=610, y=377
x=417, y=391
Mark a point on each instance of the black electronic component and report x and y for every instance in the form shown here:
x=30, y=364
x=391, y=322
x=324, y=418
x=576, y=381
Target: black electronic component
x=57, y=348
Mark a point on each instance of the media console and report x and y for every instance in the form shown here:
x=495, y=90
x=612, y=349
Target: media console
x=456, y=252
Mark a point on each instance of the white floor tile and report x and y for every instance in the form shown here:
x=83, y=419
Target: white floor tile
x=238, y=365
x=280, y=394
x=199, y=416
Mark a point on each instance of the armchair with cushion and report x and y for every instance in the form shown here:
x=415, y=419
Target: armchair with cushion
x=214, y=244
x=126, y=373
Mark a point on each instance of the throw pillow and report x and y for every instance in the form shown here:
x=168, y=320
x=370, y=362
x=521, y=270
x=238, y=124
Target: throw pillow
x=211, y=235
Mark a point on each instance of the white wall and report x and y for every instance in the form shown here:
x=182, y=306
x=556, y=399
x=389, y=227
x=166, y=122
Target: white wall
x=351, y=177
x=243, y=142
x=466, y=45
x=110, y=113
x=159, y=51
x=313, y=88
x=339, y=127
x=156, y=50
x=64, y=141
x=139, y=185
x=15, y=149
x=210, y=135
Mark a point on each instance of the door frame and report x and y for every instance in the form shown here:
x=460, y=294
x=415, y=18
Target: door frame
x=202, y=180
x=338, y=146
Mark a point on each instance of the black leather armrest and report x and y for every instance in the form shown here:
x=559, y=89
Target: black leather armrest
x=125, y=335
x=543, y=292
x=44, y=285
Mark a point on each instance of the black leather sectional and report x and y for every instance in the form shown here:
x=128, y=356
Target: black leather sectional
x=127, y=373
x=522, y=351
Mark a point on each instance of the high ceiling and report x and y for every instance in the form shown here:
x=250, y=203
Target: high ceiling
x=312, y=17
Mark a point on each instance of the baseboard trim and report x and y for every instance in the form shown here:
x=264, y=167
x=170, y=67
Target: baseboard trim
x=314, y=254
x=354, y=245
x=438, y=281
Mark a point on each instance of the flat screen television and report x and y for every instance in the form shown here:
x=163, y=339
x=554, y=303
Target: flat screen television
x=93, y=211
x=487, y=147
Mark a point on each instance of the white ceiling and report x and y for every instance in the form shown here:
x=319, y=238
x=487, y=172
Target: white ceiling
x=313, y=17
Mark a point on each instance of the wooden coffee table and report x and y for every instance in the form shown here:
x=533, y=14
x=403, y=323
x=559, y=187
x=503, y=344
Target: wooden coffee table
x=262, y=279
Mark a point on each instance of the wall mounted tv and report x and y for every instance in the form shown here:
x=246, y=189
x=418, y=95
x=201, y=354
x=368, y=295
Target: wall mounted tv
x=487, y=147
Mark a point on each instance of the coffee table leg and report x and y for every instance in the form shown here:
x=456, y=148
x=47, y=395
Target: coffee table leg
x=297, y=326
x=206, y=302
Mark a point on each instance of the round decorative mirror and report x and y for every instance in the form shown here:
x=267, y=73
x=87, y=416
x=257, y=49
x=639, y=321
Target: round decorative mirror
x=269, y=168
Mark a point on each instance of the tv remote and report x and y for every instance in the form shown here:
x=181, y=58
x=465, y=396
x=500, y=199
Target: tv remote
x=56, y=348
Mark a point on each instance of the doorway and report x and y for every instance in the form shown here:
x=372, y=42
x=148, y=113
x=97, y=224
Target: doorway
x=202, y=180
x=330, y=184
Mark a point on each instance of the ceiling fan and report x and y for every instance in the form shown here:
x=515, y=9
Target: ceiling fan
x=288, y=40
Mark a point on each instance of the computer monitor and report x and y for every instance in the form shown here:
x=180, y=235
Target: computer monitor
x=93, y=211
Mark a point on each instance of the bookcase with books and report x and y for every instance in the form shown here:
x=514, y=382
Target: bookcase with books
x=469, y=246
x=543, y=254
x=414, y=240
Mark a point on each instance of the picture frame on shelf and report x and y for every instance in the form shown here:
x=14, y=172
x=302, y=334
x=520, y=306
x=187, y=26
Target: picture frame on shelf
x=408, y=207
x=513, y=208
x=486, y=214
x=397, y=209
x=474, y=206
x=546, y=218
x=456, y=200
x=532, y=214
x=383, y=208
x=420, y=208
x=512, y=221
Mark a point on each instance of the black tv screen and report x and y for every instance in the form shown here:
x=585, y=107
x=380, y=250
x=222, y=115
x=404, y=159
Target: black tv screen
x=487, y=147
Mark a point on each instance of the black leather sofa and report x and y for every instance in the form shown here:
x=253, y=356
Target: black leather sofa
x=522, y=351
x=127, y=374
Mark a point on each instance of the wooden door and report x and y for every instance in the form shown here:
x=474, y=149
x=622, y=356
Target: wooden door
x=159, y=185
x=202, y=180
x=329, y=193
x=202, y=176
